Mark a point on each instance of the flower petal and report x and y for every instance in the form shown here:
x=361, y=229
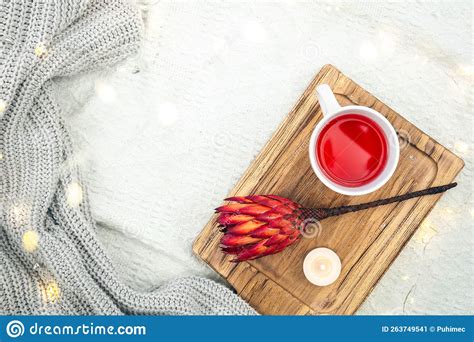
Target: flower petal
x=229, y=240
x=264, y=200
x=245, y=228
x=239, y=199
x=265, y=232
x=276, y=239
x=230, y=219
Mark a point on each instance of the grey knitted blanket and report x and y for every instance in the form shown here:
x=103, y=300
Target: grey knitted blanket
x=51, y=261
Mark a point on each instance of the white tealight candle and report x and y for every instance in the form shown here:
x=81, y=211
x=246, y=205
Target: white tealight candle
x=3, y=106
x=322, y=266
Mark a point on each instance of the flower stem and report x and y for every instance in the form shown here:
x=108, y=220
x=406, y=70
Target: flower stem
x=322, y=213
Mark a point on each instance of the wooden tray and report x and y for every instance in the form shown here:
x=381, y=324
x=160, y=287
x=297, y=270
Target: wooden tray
x=367, y=242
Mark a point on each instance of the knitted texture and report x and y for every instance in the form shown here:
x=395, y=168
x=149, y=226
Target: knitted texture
x=51, y=261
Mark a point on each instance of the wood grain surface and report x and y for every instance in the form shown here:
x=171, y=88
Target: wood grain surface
x=367, y=242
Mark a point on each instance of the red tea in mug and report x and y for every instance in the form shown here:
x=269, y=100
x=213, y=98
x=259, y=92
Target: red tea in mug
x=352, y=150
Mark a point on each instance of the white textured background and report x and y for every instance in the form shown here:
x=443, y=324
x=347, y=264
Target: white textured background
x=164, y=136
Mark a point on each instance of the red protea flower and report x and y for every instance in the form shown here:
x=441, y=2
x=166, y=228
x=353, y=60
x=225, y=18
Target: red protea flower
x=260, y=225
x=256, y=226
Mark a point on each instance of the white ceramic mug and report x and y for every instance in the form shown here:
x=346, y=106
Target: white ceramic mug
x=331, y=109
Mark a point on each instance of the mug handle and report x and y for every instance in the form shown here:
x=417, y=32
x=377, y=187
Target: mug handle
x=327, y=100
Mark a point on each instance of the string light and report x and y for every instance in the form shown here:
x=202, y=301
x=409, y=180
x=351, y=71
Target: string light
x=460, y=147
x=167, y=114
x=3, y=106
x=405, y=277
x=30, y=241
x=254, y=32
x=17, y=211
x=105, y=91
x=19, y=214
x=74, y=194
x=466, y=70
x=220, y=46
x=471, y=211
x=420, y=59
x=41, y=50
x=1, y=156
x=368, y=51
x=51, y=291
x=388, y=43
x=426, y=232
